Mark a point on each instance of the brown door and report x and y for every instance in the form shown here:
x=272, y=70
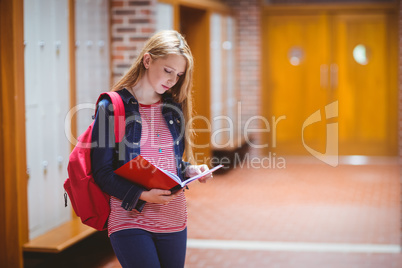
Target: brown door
x=362, y=75
x=194, y=25
x=311, y=61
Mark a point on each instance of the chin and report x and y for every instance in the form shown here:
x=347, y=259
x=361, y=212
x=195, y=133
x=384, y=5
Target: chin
x=160, y=92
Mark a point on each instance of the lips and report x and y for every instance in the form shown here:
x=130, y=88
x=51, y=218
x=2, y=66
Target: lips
x=165, y=87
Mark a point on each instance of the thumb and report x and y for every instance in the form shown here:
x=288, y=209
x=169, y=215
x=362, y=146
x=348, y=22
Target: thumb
x=164, y=192
x=167, y=192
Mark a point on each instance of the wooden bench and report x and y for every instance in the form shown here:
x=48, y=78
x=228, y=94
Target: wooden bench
x=60, y=238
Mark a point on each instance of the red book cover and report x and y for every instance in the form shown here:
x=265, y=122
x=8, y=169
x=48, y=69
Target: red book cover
x=141, y=171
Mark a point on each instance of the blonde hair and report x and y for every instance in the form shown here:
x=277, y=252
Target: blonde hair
x=158, y=46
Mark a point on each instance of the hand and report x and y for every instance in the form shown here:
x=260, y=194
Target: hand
x=159, y=196
x=194, y=170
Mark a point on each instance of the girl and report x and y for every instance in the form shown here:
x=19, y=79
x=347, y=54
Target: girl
x=148, y=228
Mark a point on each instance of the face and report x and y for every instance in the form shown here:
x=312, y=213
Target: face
x=163, y=73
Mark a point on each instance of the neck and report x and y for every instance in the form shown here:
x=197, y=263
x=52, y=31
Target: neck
x=144, y=94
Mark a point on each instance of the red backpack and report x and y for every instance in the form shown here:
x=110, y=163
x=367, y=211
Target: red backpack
x=89, y=202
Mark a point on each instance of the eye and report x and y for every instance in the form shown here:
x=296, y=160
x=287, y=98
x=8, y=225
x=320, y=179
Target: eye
x=166, y=70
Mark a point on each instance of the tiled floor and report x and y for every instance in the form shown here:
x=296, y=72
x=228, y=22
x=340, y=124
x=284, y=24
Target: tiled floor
x=306, y=215
x=313, y=204
x=302, y=203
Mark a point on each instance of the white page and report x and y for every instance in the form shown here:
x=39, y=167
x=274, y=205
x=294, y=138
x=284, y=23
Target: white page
x=200, y=175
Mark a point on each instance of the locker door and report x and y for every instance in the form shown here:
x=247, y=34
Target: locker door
x=47, y=99
x=92, y=56
x=33, y=49
x=60, y=106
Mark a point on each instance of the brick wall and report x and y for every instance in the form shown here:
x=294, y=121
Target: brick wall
x=132, y=23
x=247, y=16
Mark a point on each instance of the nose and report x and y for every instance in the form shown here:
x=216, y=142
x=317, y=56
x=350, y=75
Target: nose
x=169, y=83
x=172, y=80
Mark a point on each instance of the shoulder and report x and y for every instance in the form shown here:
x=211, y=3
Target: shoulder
x=104, y=98
x=104, y=104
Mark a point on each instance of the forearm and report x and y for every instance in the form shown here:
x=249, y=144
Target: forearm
x=118, y=187
x=102, y=161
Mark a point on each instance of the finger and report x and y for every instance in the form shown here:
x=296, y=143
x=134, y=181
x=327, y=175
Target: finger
x=194, y=169
x=205, y=178
x=203, y=168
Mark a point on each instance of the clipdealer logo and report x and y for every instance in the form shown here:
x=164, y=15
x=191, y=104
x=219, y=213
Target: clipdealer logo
x=330, y=156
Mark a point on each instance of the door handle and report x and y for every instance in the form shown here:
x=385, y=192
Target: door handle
x=334, y=75
x=324, y=76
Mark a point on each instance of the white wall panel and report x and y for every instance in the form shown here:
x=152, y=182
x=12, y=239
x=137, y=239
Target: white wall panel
x=216, y=69
x=47, y=102
x=223, y=86
x=164, y=17
x=229, y=46
x=92, y=55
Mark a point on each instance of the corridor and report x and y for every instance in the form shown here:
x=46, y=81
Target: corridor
x=305, y=215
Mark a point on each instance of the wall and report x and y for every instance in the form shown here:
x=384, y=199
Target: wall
x=247, y=15
x=400, y=101
x=132, y=23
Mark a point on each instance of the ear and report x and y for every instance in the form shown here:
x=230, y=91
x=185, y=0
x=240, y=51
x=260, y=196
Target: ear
x=146, y=60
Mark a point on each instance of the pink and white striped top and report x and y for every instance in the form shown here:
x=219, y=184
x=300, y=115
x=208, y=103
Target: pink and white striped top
x=154, y=217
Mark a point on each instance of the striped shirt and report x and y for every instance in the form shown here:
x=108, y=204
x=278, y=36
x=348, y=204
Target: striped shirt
x=156, y=218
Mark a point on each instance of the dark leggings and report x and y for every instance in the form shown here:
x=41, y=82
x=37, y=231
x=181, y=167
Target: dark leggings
x=140, y=248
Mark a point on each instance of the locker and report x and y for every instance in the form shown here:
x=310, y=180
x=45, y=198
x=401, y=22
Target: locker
x=92, y=56
x=47, y=102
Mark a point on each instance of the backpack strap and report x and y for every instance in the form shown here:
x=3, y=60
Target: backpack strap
x=119, y=114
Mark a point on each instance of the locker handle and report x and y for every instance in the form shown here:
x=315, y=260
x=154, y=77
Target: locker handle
x=89, y=43
x=60, y=160
x=41, y=43
x=101, y=43
x=45, y=164
x=57, y=44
